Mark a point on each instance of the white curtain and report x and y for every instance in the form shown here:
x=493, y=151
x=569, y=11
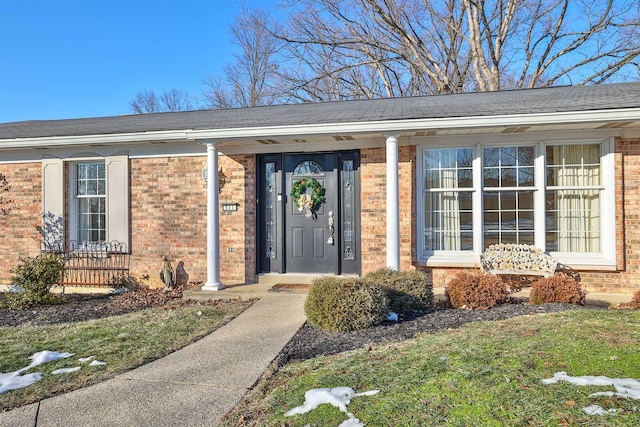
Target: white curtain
x=578, y=208
x=450, y=204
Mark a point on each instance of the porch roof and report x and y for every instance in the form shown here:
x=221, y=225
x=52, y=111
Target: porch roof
x=624, y=98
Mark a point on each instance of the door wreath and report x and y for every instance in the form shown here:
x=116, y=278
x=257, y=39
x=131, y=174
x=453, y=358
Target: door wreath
x=307, y=203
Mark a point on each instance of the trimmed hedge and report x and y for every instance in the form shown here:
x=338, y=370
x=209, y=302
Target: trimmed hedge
x=559, y=288
x=476, y=291
x=343, y=305
x=406, y=290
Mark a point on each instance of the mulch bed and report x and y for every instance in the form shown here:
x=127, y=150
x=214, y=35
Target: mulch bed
x=310, y=342
x=82, y=307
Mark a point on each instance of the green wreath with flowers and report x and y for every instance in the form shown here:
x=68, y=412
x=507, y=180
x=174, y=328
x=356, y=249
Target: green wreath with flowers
x=307, y=203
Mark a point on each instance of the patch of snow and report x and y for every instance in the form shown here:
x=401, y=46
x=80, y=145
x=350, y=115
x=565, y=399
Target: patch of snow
x=351, y=422
x=86, y=359
x=14, y=381
x=66, y=370
x=338, y=397
x=627, y=388
x=598, y=410
x=46, y=356
x=393, y=317
x=97, y=363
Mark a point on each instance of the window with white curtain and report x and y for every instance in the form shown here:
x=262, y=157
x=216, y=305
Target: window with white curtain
x=507, y=197
x=448, y=183
x=550, y=194
x=573, y=198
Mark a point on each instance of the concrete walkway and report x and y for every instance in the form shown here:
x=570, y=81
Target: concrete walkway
x=194, y=386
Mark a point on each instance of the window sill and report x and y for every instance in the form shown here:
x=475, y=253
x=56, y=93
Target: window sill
x=585, y=262
x=579, y=262
x=451, y=259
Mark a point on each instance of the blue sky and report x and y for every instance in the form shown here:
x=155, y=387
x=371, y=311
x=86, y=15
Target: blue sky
x=67, y=58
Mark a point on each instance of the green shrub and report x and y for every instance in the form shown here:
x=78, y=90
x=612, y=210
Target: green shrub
x=476, y=291
x=345, y=304
x=559, y=288
x=406, y=290
x=34, y=278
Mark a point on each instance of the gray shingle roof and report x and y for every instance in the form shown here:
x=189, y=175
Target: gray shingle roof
x=547, y=100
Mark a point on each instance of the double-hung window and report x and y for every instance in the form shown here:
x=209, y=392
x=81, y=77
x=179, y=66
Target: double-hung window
x=573, y=199
x=90, y=203
x=554, y=195
x=448, y=207
x=508, y=194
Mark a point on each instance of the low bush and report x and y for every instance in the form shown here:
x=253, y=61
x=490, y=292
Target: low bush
x=345, y=304
x=635, y=301
x=127, y=282
x=476, y=291
x=406, y=290
x=33, y=278
x=559, y=288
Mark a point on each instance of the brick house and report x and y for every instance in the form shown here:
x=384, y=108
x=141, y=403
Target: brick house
x=422, y=182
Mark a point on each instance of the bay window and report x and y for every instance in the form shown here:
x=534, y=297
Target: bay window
x=554, y=195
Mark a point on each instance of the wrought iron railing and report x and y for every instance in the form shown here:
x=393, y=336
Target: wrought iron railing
x=93, y=263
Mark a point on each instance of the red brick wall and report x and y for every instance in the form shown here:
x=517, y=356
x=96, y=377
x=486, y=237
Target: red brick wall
x=18, y=236
x=237, y=229
x=627, y=278
x=169, y=217
x=373, y=204
x=168, y=205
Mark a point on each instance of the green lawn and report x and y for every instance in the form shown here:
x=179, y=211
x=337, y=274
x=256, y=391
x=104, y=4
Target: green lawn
x=123, y=342
x=483, y=374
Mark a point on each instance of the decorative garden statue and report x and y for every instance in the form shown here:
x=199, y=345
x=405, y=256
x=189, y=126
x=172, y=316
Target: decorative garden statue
x=167, y=275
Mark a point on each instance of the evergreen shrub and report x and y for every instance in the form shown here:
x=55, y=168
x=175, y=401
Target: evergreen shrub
x=343, y=305
x=406, y=290
x=34, y=278
x=559, y=288
x=476, y=291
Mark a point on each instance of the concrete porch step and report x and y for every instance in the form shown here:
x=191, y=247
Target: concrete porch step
x=288, y=278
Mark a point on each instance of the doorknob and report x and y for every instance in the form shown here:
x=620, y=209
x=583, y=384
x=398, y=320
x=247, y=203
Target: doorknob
x=331, y=228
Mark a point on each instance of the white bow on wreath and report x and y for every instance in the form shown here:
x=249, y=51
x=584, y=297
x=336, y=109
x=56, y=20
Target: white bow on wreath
x=307, y=203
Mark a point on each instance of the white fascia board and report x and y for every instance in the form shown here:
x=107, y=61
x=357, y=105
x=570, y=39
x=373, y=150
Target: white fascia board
x=119, y=138
x=386, y=126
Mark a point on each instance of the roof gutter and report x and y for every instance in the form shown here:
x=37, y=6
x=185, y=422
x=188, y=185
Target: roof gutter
x=119, y=138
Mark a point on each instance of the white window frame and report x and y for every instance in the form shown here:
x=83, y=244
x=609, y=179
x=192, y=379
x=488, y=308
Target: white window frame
x=604, y=260
x=74, y=203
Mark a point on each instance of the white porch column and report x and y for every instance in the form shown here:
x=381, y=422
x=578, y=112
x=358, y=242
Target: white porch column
x=393, y=204
x=213, y=222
